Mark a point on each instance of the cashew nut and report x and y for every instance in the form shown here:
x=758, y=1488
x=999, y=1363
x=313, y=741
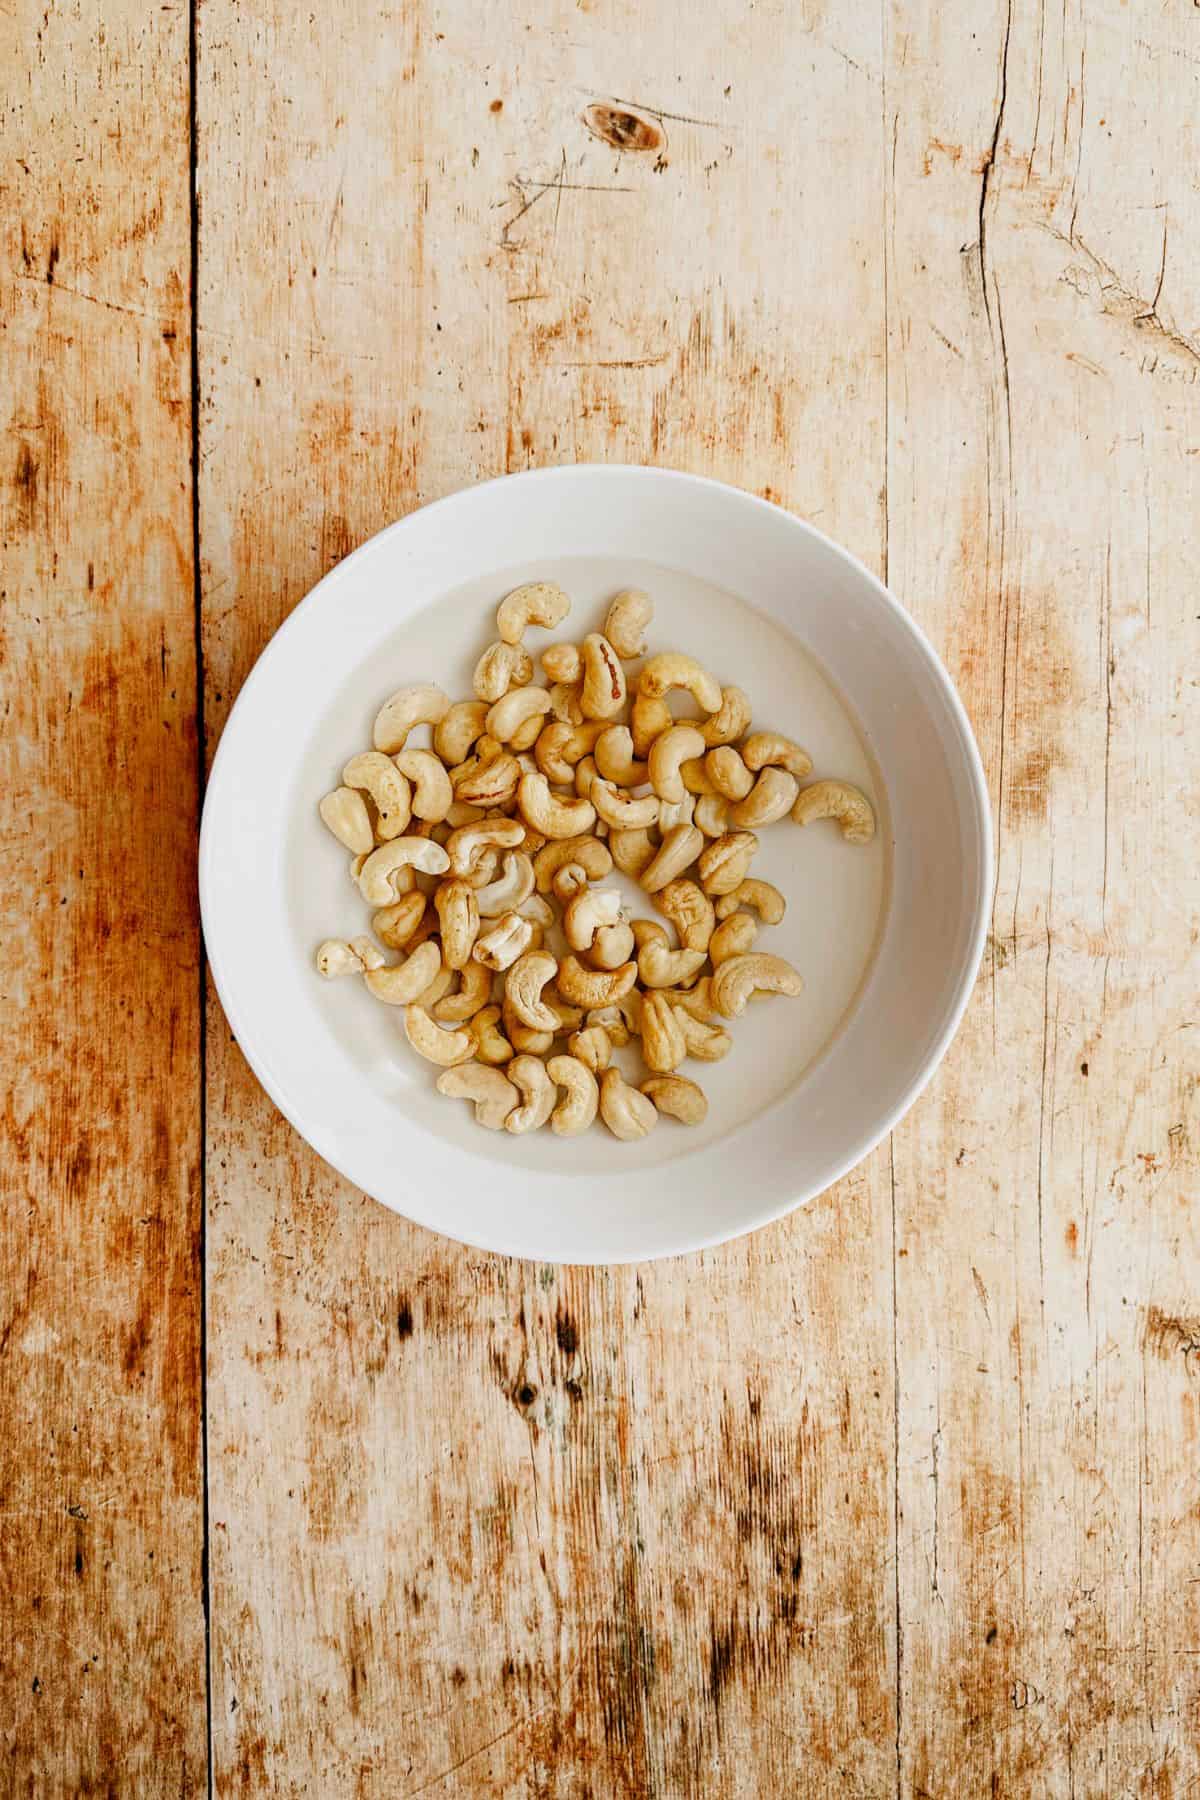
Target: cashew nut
x=422, y=704
x=523, y=989
x=615, y=759
x=695, y=777
x=377, y=877
x=457, y=729
x=678, y=1097
x=458, y=917
x=510, y=890
x=563, y=663
x=711, y=815
x=345, y=813
x=667, y=753
x=462, y=814
x=524, y=1037
x=337, y=957
x=766, y=747
x=431, y=795
x=610, y=1021
x=474, y=992
x=674, y=670
x=539, y=1095
x=676, y=812
x=649, y=717
x=570, y=880
x=728, y=773
x=632, y=851
x=429, y=1040
x=502, y=666
x=611, y=946
x=557, y=818
x=690, y=911
x=586, y=912
x=537, y=603
x=491, y=783
x=628, y=1114
x=592, y=1046
x=493, y=1094
x=395, y=925
x=576, y=1112
x=585, y=774
x=733, y=937
x=465, y=846
x=765, y=899
x=520, y=707
x=491, y=1045
x=618, y=807
x=594, y=987
x=629, y=613
x=706, y=1043
x=663, y=1043
x=378, y=776
x=565, y=702
x=658, y=965
x=695, y=1001
x=508, y=939
x=837, y=800
x=741, y=976
x=770, y=797
x=408, y=980
x=591, y=855
x=724, y=862
x=730, y=720
x=680, y=848
x=603, y=678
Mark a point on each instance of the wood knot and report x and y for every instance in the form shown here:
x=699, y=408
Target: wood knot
x=623, y=129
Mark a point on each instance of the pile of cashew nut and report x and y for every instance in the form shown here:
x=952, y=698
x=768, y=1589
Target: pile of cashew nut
x=483, y=858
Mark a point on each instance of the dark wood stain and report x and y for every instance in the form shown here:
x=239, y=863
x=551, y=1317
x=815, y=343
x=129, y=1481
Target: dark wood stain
x=622, y=128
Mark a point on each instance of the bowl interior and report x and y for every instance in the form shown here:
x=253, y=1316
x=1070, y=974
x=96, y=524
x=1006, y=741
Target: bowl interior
x=886, y=937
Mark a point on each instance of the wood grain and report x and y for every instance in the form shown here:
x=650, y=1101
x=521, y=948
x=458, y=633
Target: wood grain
x=103, y=1663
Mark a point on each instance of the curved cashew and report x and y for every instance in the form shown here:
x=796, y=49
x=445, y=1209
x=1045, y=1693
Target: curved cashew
x=591, y=1046
x=770, y=797
x=539, y=1095
x=377, y=877
x=615, y=759
x=508, y=939
x=695, y=777
x=649, y=717
x=741, y=976
x=728, y=773
x=377, y=775
x=576, y=1112
x=523, y=989
x=672, y=669
x=676, y=812
x=502, y=666
x=724, y=862
x=628, y=1114
x=537, y=603
x=610, y=1021
x=462, y=814
x=474, y=992
x=707, y=1043
x=520, y=707
x=603, y=678
x=629, y=613
x=557, y=818
x=447, y=1048
x=432, y=794
x=395, y=925
x=680, y=848
x=618, y=807
x=837, y=800
x=594, y=987
x=695, y=1001
x=548, y=752
x=690, y=911
x=510, y=890
x=408, y=980
x=563, y=663
x=586, y=912
x=492, y=783
x=764, y=899
x=422, y=704
x=730, y=720
x=612, y=946
x=678, y=1097
x=585, y=773
x=458, y=917
x=524, y=1038
x=457, y=729
x=539, y=910
x=771, y=747
x=667, y=752
x=345, y=813
x=525, y=737
x=711, y=815
x=564, y=702
x=658, y=965
x=491, y=1045
x=663, y=1045
x=733, y=937
x=570, y=880
x=592, y=856
x=337, y=957
x=632, y=851
x=493, y=1094
x=465, y=846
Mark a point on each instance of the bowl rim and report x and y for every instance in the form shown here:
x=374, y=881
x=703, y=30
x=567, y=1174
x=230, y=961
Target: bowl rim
x=870, y=1139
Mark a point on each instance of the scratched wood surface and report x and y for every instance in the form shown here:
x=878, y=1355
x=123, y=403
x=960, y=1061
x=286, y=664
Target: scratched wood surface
x=901, y=1496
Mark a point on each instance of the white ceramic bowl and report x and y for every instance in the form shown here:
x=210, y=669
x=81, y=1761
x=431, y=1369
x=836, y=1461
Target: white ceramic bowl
x=887, y=938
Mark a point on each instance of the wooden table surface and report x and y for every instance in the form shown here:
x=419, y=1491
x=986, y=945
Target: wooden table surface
x=901, y=1496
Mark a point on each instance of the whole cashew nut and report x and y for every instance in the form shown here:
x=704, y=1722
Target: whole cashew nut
x=493, y=1094
x=612, y=946
x=508, y=939
x=537, y=603
x=672, y=669
x=576, y=1111
x=491, y=1045
x=658, y=965
x=731, y=719
x=675, y=812
x=592, y=856
x=733, y=937
x=539, y=1095
x=523, y=989
x=492, y=783
x=741, y=976
x=545, y=812
x=615, y=759
x=565, y=702
x=618, y=808
x=592, y=1046
x=524, y=1037
x=628, y=1114
x=690, y=911
x=663, y=1043
x=586, y=912
x=458, y=917
x=649, y=717
x=629, y=614
x=695, y=777
x=728, y=773
x=678, y=1097
x=563, y=663
x=408, y=980
x=465, y=846
x=474, y=992
x=515, y=709
x=433, y=795
x=711, y=815
x=603, y=678
x=345, y=813
x=594, y=987
x=457, y=729
x=447, y=1048
x=680, y=848
x=667, y=753
x=724, y=862
x=705, y=1042
x=377, y=775
x=695, y=1001
x=422, y=704
x=771, y=796
x=377, y=877
x=632, y=851
x=772, y=747
x=502, y=666
x=509, y=891
x=395, y=925
x=761, y=896
x=837, y=800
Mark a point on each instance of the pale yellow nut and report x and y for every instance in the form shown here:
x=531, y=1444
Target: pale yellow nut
x=568, y=881
x=540, y=603
x=378, y=776
x=525, y=737
x=565, y=701
x=591, y=1046
x=494, y=1097
x=690, y=911
x=539, y=910
x=733, y=937
x=611, y=946
x=337, y=957
x=837, y=800
x=458, y=729
x=663, y=1044
x=493, y=783
x=432, y=795
x=728, y=773
x=491, y=1045
x=458, y=920
x=345, y=813
x=628, y=1114
x=711, y=815
x=533, y=841
x=526, y=1039
x=672, y=669
x=603, y=693
x=678, y=851
x=545, y=812
x=482, y=870
x=395, y=925
x=632, y=851
x=421, y=704
x=609, y=1019
x=586, y=912
x=523, y=989
x=649, y=717
x=581, y=1095
x=569, y=1017
x=427, y=1038
x=725, y=862
x=696, y=1000
x=620, y=809
x=465, y=845
x=523, y=706
x=731, y=719
x=441, y=984
x=615, y=759
x=474, y=992
x=502, y=666
x=766, y=747
x=668, y=751
x=587, y=852
x=585, y=773
x=658, y=965
x=761, y=896
x=735, y=981
x=695, y=777
x=676, y=812
x=539, y=1095
x=626, y=622
x=593, y=987
x=562, y=662
x=677, y=1097
x=509, y=891
x=705, y=1042
x=771, y=796
x=500, y=946
x=462, y=814
x=406, y=981
x=548, y=752
x=378, y=876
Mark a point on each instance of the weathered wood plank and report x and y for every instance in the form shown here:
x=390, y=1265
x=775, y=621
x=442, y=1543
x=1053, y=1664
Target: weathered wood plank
x=103, y=1660
x=480, y=1528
